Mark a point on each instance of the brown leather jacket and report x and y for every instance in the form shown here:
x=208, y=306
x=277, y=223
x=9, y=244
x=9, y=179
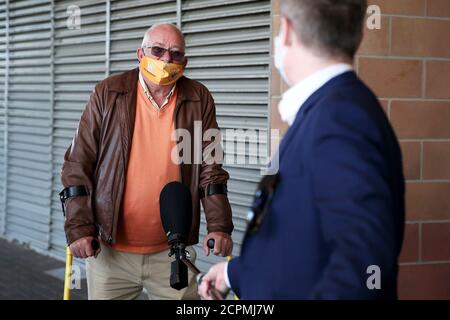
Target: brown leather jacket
x=98, y=159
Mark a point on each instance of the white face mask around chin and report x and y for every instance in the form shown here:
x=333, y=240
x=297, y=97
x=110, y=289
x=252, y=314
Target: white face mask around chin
x=278, y=58
x=285, y=107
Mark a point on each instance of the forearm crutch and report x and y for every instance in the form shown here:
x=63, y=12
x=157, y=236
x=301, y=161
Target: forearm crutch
x=68, y=273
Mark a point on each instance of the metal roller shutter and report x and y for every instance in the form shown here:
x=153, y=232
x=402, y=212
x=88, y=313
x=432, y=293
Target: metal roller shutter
x=129, y=20
x=79, y=63
x=3, y=67
x=54, y=68
x=229, y=51
x=29, y=123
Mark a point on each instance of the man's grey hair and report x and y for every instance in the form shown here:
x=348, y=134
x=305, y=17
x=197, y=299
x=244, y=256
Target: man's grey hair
x=148, y=32
x=332, y=28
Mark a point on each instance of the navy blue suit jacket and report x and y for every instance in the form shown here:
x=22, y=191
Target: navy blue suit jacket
x=338, y=207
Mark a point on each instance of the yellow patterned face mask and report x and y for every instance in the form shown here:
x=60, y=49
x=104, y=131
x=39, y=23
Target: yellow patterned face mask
x=159, y=72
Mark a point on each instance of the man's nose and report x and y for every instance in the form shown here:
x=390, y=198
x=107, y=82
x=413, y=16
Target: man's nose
x=166, y=57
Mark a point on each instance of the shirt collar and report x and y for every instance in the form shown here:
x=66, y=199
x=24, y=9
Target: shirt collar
x=149, y=95
x=296, y=96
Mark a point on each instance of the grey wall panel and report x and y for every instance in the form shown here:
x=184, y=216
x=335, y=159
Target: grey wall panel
x=29, y=123
x=129, y=20
x=229, y=51
x=3, y=13
x=79, y=63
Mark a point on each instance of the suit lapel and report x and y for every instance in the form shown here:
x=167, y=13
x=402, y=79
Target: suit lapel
x=310, y=103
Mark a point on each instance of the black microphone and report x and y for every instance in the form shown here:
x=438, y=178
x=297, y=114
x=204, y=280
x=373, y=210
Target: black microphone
x=175, y=203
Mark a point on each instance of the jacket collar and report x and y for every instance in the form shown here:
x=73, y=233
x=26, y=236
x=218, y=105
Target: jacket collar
x=128, y=80
x=333, y=84
x=340, y=80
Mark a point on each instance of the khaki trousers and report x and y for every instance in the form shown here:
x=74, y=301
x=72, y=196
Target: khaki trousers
x=119, y=275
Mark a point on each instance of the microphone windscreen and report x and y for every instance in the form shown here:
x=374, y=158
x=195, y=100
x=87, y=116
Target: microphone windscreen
x=175, y=203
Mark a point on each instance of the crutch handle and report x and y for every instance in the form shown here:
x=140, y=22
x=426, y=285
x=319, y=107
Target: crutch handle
x=68, y=273
x=95, y=244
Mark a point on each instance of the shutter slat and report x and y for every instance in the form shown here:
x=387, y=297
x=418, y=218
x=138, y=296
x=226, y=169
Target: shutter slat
x=2, y=111
x=228, y=45
x=79, y=62
x=29, y=119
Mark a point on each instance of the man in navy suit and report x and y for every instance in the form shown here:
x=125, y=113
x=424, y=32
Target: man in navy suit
x=333, y=228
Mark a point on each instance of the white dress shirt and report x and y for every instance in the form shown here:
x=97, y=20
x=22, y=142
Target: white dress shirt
x=296, y=96
x=150, y=97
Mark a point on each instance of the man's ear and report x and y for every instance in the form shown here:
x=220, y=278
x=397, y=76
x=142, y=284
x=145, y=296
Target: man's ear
x=139, y=54
x=185, y=62
x=287, y=32
x=283, y=34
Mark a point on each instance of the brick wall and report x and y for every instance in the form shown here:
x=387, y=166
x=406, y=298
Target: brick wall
x=407, y=64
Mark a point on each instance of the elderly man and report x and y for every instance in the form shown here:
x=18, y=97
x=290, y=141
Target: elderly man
x=120, y=159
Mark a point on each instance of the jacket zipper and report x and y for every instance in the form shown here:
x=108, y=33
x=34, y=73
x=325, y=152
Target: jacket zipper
x=101, y=234
x=116, y=210
x=177, y=109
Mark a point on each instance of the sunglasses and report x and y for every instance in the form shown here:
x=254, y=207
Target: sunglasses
x=156, y=51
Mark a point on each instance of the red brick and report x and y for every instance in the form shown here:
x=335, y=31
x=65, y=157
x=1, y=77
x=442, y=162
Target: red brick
x=276, y=23
x=420, y=37
x=276, y=7
x=411, y=159
x=427, y=201
x=436, y=160
x=438, y=79
x=406, y=7
x=376, y=41
x=275, y=82
x=438, y=8
x=435, y=241
x=410, y=248
x=424, y=282
x=392, y=78
x=420, y=119
x=385, y=106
